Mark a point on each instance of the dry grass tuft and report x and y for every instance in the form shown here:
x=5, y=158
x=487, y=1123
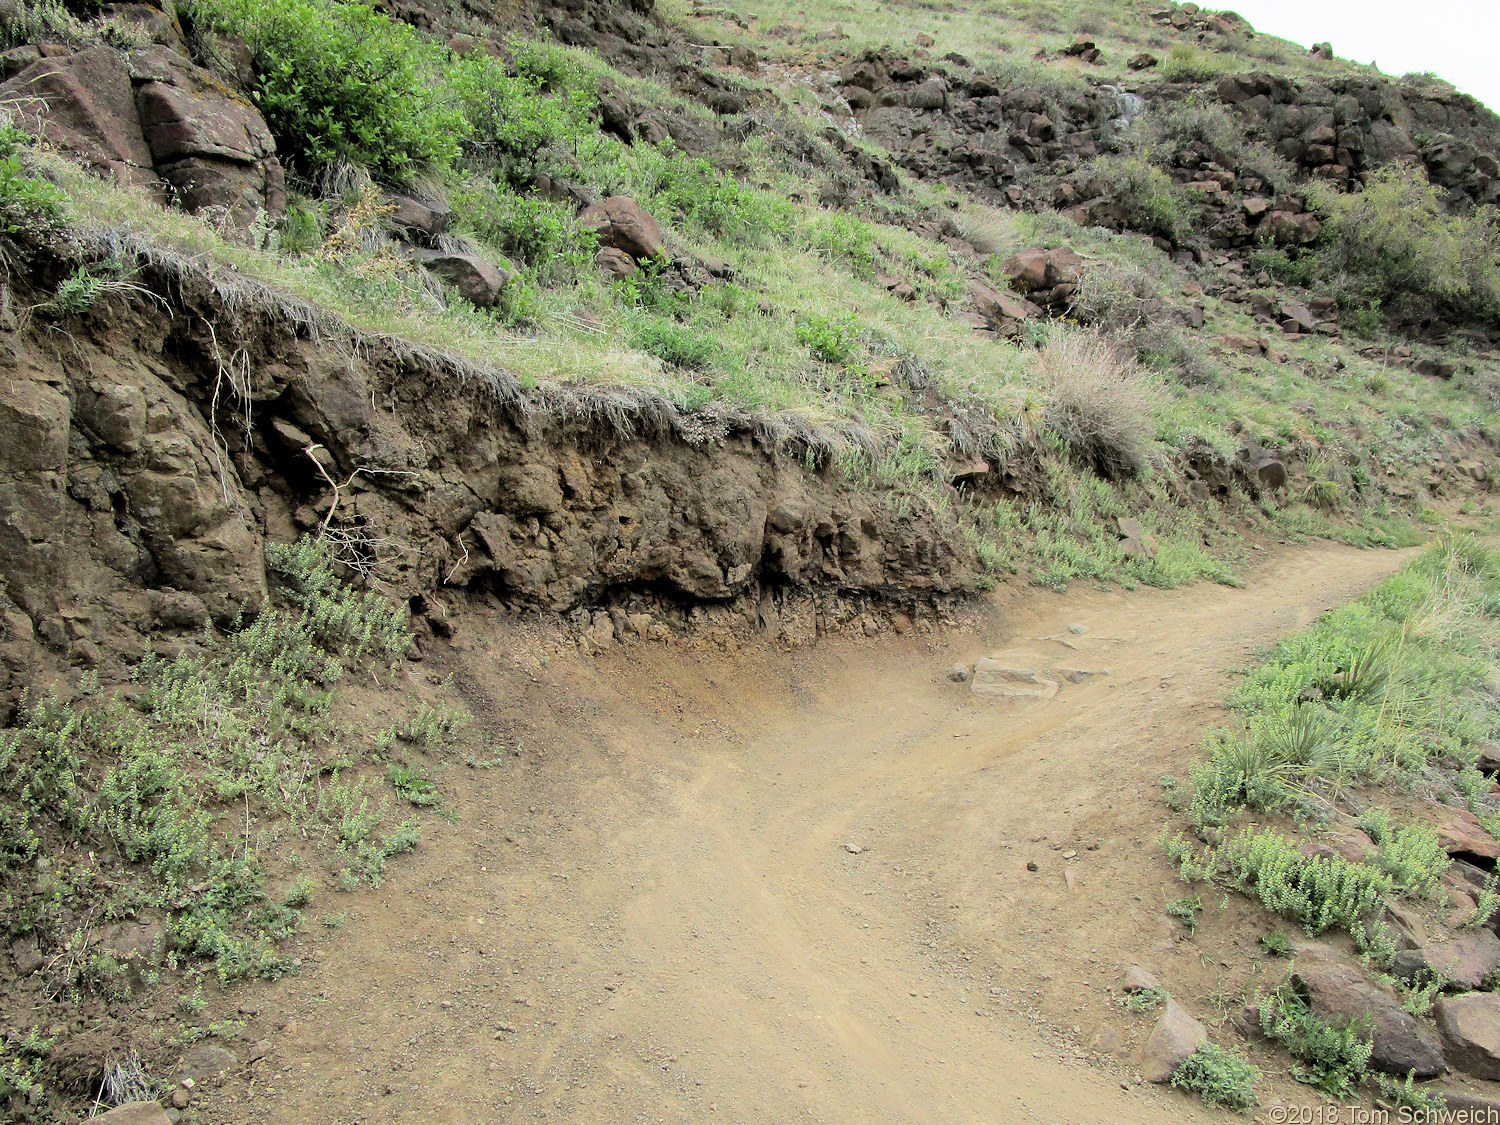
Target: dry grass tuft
x=1101, y=404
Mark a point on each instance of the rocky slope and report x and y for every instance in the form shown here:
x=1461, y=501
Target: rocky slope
x=168, y=413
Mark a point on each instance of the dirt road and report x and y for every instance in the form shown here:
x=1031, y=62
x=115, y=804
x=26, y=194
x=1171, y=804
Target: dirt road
x=769, y=887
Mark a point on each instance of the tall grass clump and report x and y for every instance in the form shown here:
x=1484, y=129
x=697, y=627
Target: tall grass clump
x=1373, y=691
x=147, y=802
x=1100, y=404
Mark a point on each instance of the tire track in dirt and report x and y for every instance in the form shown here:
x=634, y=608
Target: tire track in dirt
x=653, y=917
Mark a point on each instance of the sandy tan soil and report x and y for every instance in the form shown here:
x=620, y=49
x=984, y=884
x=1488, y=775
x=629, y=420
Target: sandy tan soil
x=651, y=914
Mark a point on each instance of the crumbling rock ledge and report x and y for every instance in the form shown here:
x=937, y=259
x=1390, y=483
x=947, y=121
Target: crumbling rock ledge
x=151, y=447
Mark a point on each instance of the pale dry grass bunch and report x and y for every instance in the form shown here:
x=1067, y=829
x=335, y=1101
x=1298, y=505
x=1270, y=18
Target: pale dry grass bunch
x=1101, y=405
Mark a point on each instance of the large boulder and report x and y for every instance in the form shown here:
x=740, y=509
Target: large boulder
x=153, y=118
x=1172, y=1042
x=1464, y=961
x=1339, y=993
x=84, y=105
x=621, y=222
x=478, y=280
x=1002, y=309
x=1470, y=1025
x=1036, y=269
x=1461, y=833
x=210, y=144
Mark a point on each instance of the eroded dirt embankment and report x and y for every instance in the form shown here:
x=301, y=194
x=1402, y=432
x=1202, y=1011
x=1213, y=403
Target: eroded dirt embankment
x=651, y=913
x=153, y=444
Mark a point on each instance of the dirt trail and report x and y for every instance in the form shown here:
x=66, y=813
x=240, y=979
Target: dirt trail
x=651, y=913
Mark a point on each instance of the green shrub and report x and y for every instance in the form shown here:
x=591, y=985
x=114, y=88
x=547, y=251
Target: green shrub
x=1320, y=892
x=543, y=101
x=1185, y=63
x=29, y=205
x=1143, y=1000
x=1404, y=1094
x=1395, y=243
x=1334, y=1058
x=676, y=344
x=831, y=339
x=1220, y=1077
x=413, y=785
x=339, y=81
x=1276, y=944
x=1415, y=860
x=1151, y=200
x=537, y=233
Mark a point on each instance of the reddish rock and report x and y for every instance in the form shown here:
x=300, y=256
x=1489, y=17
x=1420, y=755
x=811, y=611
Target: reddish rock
x=1470, y=1026
x=1460, y=832
x=1036, y=269
x=418, y=217
x=1465, y=961
x=1247, y=344
x=621, y=222
x=1401, y=1044
x=211, y=145
x=84, y=104
x=1174, y=1039
x=995, y=304
x=615, y=264
x=1296, y=317
x=1026, y=270
x=478, y=280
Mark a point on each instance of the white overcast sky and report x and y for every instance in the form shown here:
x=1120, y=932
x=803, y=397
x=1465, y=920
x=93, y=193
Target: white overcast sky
x=1458, y=40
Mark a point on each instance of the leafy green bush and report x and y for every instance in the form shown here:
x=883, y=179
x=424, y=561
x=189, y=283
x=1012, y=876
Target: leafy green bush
x=1394, y=242
x=676, y=344
x=1335, y=1058
x=833, y=340
x=537, y=233
x=1414, y=858
x=1150, y=198
x=543, y=100
x=339, y=81
x=29, y=205
x=1219, y=1076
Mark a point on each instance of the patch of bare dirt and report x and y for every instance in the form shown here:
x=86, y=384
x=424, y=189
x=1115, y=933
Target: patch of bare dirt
x=781, y=886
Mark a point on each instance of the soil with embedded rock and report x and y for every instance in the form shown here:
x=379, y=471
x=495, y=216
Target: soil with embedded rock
x=137, y=489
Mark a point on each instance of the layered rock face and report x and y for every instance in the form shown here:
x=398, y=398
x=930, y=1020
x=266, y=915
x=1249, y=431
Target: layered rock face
x=152, y=117
x=146, y=464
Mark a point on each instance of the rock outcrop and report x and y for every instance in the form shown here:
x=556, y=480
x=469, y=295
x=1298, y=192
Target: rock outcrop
x=1337, y=992
x=127, y=503
x=152, y=117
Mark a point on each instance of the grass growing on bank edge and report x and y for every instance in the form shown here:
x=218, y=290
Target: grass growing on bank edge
x=215, y=797
x=1388, y=700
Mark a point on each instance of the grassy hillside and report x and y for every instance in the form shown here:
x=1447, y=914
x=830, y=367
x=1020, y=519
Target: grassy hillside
x=849, y=319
